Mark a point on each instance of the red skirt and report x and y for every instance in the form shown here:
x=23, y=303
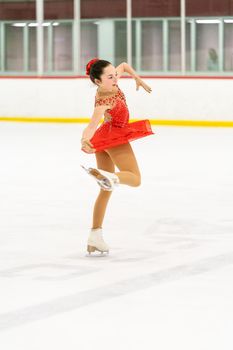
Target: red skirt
x=109, y=135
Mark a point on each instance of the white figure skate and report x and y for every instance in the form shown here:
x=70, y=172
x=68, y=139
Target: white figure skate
x=96, y=242
x=106, y=180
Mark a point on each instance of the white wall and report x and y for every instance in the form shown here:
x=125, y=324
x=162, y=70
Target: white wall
x=186, y=99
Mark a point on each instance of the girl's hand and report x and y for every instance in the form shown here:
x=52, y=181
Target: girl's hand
x=140, y=82
x=87, y=146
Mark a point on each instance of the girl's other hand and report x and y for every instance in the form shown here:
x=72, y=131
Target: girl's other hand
x=87, y=146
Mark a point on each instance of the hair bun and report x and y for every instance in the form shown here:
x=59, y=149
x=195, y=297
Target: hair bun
x=89, y=64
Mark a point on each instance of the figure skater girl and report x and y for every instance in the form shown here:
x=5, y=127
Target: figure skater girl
x=111, y=141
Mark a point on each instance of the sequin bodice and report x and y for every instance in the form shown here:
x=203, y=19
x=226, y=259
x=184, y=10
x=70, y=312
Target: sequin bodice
x=117, y=114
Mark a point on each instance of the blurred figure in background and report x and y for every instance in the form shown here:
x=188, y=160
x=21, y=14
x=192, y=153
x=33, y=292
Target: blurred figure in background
x=212, y=63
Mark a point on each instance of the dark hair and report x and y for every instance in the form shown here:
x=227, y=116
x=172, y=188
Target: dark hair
x=96, y=69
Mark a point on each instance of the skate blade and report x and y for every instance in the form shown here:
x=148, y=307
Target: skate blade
x=86, y=169
x=101, y=179
x=94, y=173
x=91, y=249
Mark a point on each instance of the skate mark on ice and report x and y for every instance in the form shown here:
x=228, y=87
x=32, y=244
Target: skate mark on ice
x=74, y=301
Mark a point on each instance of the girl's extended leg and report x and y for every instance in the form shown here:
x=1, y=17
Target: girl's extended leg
x=123, y=157
x=104, y=162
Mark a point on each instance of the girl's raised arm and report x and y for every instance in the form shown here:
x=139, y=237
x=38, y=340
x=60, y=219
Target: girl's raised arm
x=139, y=82
x=120, y=70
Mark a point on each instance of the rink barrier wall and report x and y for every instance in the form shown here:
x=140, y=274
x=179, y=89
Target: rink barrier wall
x=174, y=100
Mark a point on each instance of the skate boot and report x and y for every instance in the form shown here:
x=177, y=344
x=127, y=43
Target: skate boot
x=96, y=242
x=106, y=180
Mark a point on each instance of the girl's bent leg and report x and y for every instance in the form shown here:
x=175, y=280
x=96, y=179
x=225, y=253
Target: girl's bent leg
x=123, y=157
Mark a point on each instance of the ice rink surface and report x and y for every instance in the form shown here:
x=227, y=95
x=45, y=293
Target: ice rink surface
x=167, y=283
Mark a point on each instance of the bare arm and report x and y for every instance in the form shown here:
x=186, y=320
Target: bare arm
x=120, y=70
x=89, y=131
x=139, y=81
x=126, y=68
x=130, y=70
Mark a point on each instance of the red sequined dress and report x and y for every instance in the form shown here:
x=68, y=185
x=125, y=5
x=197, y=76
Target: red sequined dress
x=116, y=129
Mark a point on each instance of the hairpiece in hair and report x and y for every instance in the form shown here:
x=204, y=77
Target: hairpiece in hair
x=89, y=64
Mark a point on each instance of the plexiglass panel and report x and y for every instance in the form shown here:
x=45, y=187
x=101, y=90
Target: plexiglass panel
x=14, y=53
x=152, y=46
x=62, y=47
x=18, y=51
x=121, y=42
x=89, y=42
x=103, y=35
x=207, y=47
x=228, y=45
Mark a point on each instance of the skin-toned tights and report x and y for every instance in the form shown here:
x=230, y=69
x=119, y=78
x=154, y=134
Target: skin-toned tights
x=123, y=158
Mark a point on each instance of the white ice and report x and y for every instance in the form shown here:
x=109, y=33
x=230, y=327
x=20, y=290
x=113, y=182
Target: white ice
x=168, y=280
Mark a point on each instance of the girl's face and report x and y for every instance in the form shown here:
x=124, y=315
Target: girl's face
x=108, y=78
